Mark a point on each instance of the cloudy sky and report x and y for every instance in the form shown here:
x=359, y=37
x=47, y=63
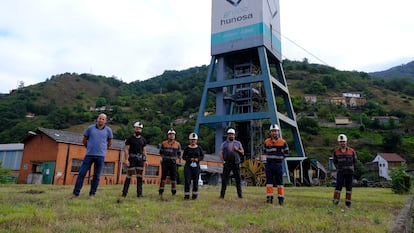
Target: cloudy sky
x=139, y=39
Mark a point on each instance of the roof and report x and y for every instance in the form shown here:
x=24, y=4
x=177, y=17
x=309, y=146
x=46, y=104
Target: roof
x=391, y=157
x=11, y=146
x=73, y=138
x=318, y=165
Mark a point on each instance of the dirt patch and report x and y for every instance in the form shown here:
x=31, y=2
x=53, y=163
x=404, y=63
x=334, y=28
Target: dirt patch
x=32, y=191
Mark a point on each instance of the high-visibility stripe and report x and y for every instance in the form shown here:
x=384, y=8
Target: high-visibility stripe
x=280, y=191
x=269, y=190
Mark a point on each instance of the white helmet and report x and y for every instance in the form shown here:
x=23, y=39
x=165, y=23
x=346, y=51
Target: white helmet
x=231, y=131
x=193, y=136
x=171, y=131
x=139, y=125
x=342, y=138
x=274, y=127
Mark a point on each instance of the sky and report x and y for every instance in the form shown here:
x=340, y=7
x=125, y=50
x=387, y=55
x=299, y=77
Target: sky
x=140, y=39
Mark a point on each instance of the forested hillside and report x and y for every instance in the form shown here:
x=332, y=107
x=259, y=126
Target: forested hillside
x=71, y=101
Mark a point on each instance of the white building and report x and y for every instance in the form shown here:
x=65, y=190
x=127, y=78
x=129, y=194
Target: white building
x=386, y=161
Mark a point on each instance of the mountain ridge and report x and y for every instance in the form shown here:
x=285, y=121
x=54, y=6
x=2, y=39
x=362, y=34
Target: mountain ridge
x=400, y=71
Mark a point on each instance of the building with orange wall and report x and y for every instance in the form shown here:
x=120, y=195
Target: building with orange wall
x=54, y=157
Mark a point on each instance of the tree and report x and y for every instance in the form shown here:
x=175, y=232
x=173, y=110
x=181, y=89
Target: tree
x=401, y=181
x=308, y=125
x=391, y=141
x=315, y=87
x=100, y=102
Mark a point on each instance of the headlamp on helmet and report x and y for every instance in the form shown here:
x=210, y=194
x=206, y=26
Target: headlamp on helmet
x=274, y=127
x=171, y=131
x=139, y=125
x=342, y=138
x=193, y=136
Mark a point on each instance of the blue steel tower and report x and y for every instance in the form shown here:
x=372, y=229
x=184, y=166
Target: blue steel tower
x=245, y=76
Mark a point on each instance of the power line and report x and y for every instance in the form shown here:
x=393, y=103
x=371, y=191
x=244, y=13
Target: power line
x=293, y=42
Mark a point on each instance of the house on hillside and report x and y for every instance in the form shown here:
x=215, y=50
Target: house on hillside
x=340, y=100
x=311, y=99
x=54, y=157
x=386, y=119
x=342, y=121
x=11, y=158
x=385, y=161
x=357, y=102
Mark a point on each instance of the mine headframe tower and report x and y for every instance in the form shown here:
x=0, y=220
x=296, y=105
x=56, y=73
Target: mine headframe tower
x=245, y=78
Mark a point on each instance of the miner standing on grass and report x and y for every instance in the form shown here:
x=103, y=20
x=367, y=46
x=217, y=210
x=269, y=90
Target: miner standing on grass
x=230, y=154
x=192, y=155
x=170, y=151
x=276, y=149
x=97, y=139
x=345, y=160
x=135, y=153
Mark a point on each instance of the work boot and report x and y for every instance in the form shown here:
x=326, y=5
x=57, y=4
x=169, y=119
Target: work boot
x=173, y=187
x=348, y=204
x=139, y=187
x=126, y=186
x=281, y=200
x=161, y=189
x=186, y=197
x=269, y=200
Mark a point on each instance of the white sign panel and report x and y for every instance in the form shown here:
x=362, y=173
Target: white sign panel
x=242, y=24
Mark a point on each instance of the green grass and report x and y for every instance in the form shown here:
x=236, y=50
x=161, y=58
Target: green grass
x=45, y=208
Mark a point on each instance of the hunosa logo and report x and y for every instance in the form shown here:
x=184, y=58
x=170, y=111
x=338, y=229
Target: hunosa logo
x=234, y=3
x=236, y=15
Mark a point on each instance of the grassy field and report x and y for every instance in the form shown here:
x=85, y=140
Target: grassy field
x=46, y=208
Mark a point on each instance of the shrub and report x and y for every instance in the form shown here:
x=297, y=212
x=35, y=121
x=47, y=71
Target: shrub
x=401, y=181
x=6, y=176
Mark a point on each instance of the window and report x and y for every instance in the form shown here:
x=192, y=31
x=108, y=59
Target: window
x=37, y=168
x=109, y=168
x=152, y=170
x=76, y=164
x=11, y=159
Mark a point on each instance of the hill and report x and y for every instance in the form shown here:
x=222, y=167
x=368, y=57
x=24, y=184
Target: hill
x=71, y=101
x=401, y=71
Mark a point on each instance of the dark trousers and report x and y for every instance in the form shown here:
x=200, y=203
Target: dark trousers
x=227, y=168
x=134, y=171
x=274, y=174
x=341, y=180
x=344, y=179
x=191, y=174
x=168, y=168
